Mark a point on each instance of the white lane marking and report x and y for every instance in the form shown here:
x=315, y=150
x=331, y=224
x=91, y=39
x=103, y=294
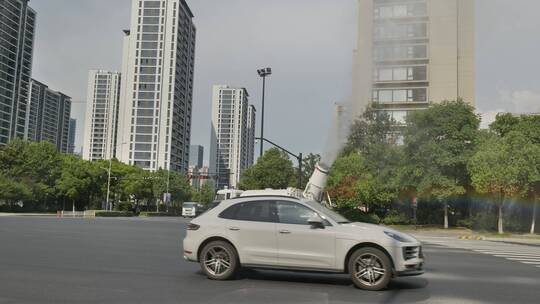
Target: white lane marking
x=524, y=259
x=510, y=253
x=517, y=256
x=532, y=263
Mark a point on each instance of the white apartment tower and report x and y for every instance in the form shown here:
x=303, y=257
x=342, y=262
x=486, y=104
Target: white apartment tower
x=101, y=124
x=413, y=52
x=232, y=135
x=157, y=86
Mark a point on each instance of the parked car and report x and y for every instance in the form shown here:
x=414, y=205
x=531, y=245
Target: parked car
x=283, y=232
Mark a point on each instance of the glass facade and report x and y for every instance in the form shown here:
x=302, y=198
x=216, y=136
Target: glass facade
x=48, y=116
x=16, y=50
x=233, y=122
x=162, y=85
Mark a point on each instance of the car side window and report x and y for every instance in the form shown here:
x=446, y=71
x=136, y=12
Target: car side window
x=293, y=213
x=261, y=211
x=229, y=213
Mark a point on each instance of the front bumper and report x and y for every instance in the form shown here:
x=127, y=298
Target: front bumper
x=408, y=262
x=412, y=270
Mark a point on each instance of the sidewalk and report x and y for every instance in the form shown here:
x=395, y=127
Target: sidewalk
x=26, y=214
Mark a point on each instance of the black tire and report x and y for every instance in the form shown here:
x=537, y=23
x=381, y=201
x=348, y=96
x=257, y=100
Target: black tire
x=219, y=260
x=370, y=269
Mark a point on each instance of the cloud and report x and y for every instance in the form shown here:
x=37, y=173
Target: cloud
x=526, y=101
x=517, y=102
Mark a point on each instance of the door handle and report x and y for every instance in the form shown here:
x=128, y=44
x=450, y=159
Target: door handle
x=284, y=232
x=234, y=228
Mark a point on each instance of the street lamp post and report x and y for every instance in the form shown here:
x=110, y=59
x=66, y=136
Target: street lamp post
x=263, y=73
x=298, y=157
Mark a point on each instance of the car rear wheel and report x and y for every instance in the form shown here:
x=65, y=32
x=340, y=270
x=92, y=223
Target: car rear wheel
x=370, y=269
x=219, y=260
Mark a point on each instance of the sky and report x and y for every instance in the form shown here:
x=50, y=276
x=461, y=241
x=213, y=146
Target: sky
x=308, y=44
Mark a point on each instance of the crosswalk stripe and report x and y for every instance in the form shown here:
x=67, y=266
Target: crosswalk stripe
x=510, y=252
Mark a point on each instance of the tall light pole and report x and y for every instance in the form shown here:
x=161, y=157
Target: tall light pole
x=263, y=73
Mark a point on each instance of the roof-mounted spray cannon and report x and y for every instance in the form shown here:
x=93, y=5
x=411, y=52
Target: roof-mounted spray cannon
x=317, y=183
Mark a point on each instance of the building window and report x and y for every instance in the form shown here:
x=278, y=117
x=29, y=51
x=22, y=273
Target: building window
x=418, y=9
x=400, y=95
x=400, y=30
x=414, y=73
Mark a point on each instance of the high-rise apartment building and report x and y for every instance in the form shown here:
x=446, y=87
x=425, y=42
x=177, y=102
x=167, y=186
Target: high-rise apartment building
x=196, y=156
x=48, y=116
x=101, y=123
x=231, y=138
x=17, y=44
x=157, y=86
x=251, y=120
x=413, y=52
x=72, y=135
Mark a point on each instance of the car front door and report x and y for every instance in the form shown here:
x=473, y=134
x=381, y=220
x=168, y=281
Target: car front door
x=251, y=226
x=299, y=244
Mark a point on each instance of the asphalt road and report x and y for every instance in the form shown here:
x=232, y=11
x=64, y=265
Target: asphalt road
x=50, y=260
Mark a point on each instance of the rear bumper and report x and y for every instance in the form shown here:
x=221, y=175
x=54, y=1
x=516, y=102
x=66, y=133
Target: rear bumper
x=189, y=250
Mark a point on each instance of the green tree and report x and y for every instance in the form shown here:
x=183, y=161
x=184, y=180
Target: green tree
x=36, y=165
x=439, y=142
x=367, y=167
x=177, y=185
x=352, y=184
x=273, y=170
x=504, y=123
x=205, y=195
x=529, y=126
x=504, y=167
x=74, y=179
x=12, y=191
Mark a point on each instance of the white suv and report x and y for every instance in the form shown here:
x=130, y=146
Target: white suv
x=280, y=232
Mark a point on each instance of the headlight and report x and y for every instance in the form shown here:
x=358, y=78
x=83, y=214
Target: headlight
x=397, y=237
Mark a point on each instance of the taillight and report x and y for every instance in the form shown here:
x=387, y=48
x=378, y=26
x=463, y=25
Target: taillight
x=192, y=226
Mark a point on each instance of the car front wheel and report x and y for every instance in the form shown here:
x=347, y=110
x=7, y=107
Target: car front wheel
x=370, y=269
x=219, y=260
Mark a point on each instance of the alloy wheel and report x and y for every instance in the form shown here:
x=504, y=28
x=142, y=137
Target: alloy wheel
x=217, y=260
x=369, y=269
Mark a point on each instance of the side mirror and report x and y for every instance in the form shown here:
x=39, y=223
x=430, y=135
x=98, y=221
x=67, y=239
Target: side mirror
x=316, y=222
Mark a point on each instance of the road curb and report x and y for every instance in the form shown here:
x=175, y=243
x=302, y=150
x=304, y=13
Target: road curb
x=471, y=237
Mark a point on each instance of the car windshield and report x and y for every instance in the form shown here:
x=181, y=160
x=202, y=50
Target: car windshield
x=328, y=212
x=189, y=205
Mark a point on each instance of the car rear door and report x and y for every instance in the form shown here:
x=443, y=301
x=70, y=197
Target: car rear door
x=300, y=245
x=251, y=226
